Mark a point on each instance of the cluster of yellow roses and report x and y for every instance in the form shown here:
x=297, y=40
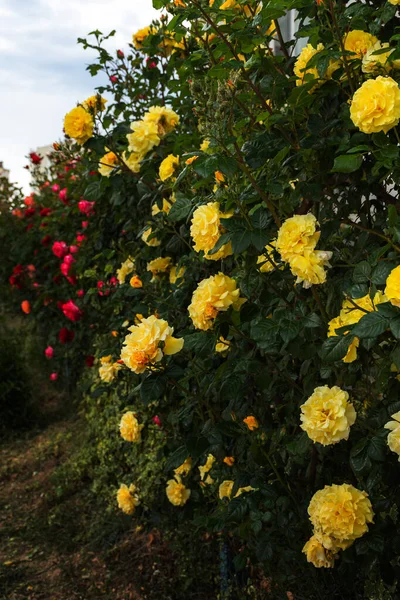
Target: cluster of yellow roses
x=79, y=122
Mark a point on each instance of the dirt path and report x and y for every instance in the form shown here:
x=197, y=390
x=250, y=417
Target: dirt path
x=35, y=564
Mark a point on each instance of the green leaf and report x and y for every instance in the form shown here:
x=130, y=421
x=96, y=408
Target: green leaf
x=180, y=209
x=359, y=458
x=370, y=325
x=201, y=343
x=362, y=272
x=395, y=327
x=206, y=166
x=335, y=348
x=152, y=388
x=93, y=191
x=347, y=163
x=264, y=331
x=381, y=272
x=241, y=240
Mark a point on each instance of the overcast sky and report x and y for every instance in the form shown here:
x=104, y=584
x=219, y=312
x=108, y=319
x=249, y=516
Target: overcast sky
x=42, y=68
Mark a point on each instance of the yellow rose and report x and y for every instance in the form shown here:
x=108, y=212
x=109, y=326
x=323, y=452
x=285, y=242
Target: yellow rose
x=177, y=493
x=297, y=234
x=130, y=429
x=78, y=125
x=268, y=261
x=144, y=137
x=168, y=166
x=340, y=514
x=222, y=346
x=127, y=267
x=206, y=468
x=94, y=104
x=251, y=423
x=212, y=295
x=139, y=37
x=145, y=238
x=393, y=439
x=204, y=146
x=107, y=164
x=132, y=160
x=300, y=66
x=372, y=63
x=229, y=460
x=191, y=160
x=108, y=370
x=376, y=105
x=166, y=207
x=359, y=42
x=318, y=555
x=184, y=468
x=394, y=2
x=327, y=415
x=309, y=267
x=351, y=354
x=141, y=348
x=176, y=274
x=241, y=490
x=206, y=229
x=136, y=282
x=159, y=265
x=392, y=289
x=225, y=489
x=127, y=499
x=164, y=117
x=219, y=177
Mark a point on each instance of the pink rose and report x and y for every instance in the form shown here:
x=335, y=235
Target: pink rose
x=86, y=207
x=54, y=377
x=60, y=249
x=63, y=196
x=72, y=311
x=55, y=187
x=49, y=352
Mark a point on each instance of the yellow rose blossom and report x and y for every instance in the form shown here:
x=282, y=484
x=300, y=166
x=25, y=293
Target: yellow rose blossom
x=375, y=106
x=78, y=125
x=130, y=429
x=164, y=117
x=107, y=164
x=392, y=289
x=268, y=260
x=177, y=493
x=219, y=177
x=318, y=555
x=394, y=2
x=393, y=439
x=305, y=74
x=166, y=207
x=222, y=346
x=94, y=104
x=127, y=499
x=141, y=348
x=136, y=282
x=132, y=160
x=168, y=166
x=359, y=42
x=145, y=238
x=159, y=265
x=327, y=415
x=297, y=234
x=225, y=489
x=213, y=295
x=108, y=370
x=114, y=333
x=340, y=514
x=373, y=63
x=204, y=146
x=176, y=274
x=206, y=468
x=229, y=460
x=139, y=37
x=191, y=160
x=241, y=490
x=144, y=137
x=206, y=229
x=184, y=468
x=309, y=267
x=251, y=423
x=127, y=267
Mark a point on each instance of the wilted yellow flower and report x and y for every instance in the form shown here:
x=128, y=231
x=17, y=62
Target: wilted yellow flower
x=159, y=265
x=141, y=347
x=309, y=267
x=269, y=263
x=139, y=37
x=164, y=117
x=251, y=423
x=184, y=468
x=318, y=555
x=145, y=238
x=206, y=468
x=132, y=160
x=340, y=514
x=78, y=124
x=297, y=234
x=130, y=429
x=222, y=346
x=177, y=493
x=127, y=267
x=144, y=137
x=127, y=499
x=359, y=42
x=212, y=295
x=392, y=289
x=225, y=489
x=166, y=207
x=376, y=105
x=136, y=282
x=204, y=146
x=327, y=415
x=206, y=229
x=168, y=166
x=94, y=104
x=393, y=439
x=176, y=274
x=107, y=164
x=108, y=370
x=229, y=460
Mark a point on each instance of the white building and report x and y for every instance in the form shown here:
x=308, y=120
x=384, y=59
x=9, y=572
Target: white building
x=4, y=172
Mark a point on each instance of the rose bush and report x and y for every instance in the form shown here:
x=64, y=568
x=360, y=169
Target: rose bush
x=224, y=235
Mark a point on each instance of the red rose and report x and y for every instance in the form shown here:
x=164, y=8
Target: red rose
x=35, y=158
x=49, y=352
x=72, y=311
x=46, y=240
x=54, y=377
x=80, y=293
x=86, y=207
x=63, y=196
x=60, y=249
x=89, y=360
x=55, y=187
x=45, y=212
x=66, y=335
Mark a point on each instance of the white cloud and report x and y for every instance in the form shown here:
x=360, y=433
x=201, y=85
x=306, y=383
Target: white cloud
x=42, y=69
